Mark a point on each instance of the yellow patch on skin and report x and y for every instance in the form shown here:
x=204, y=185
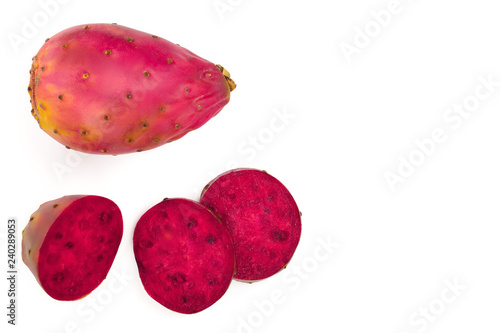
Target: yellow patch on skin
x=51, y=89
x=46, y=63
x=90, y=136
x=43, y=114
x=131, y=137
x=48, y=123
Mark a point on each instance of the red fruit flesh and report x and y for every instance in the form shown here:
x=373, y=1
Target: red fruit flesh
x=70, y=244
x=185, y=256
x=262, y=217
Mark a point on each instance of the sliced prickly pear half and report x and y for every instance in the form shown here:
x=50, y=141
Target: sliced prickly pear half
x=184, y=255
x=110, y=89
x=262, y=217
x=70, y=243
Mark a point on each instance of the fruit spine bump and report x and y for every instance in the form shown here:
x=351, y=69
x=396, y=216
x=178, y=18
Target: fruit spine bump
x=109, y=89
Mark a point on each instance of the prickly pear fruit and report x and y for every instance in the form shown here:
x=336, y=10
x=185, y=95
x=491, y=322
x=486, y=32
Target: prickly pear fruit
x=185, y=256
x=109, y=89
x=70, y=243
x=261, y=216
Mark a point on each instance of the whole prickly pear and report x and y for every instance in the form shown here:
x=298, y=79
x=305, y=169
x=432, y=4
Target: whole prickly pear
x=109, y=89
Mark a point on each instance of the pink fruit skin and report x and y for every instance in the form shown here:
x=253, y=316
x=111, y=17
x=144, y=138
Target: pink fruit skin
x=70, y=243
x=185, y=256
x=109, y=89
x=262, y=217
x=48, y=215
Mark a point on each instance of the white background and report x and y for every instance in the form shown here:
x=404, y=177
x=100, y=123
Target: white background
x=351, y=120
